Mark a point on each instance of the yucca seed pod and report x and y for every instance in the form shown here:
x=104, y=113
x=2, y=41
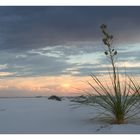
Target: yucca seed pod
x=103, y=26
x=106, y=53
x=105, y=41
x=115, y=53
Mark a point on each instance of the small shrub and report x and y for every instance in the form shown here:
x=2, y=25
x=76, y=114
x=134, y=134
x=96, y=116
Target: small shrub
x=120, y=100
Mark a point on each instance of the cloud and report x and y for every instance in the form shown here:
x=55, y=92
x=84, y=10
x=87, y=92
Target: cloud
x=21, y=56
x=64, y=40
x=26, y=28
x=75, y=60
x=3, y=66
x=6, y=74
x=45, y=85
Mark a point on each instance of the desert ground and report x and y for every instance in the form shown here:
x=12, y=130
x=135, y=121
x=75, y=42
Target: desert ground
x=43, y=116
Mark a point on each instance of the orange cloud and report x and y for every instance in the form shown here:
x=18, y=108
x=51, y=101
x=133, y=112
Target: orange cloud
x=59, y=85
x=63, y=85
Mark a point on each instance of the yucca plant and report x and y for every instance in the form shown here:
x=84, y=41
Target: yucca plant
x=120, y=100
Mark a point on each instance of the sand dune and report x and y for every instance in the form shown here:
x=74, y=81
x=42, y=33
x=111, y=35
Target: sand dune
x=43, y=116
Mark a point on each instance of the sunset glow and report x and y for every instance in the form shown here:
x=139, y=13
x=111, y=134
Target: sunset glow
x=44, y=85
x=66, y=85
x=53, y=50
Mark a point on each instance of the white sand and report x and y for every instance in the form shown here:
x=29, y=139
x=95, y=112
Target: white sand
x=40, y=115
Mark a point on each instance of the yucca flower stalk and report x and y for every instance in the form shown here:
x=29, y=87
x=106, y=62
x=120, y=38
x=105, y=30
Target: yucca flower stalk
x=119, y=101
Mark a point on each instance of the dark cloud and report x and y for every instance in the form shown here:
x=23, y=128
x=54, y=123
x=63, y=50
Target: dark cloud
x=43, y=40
x=34, y=65
x=36, y=27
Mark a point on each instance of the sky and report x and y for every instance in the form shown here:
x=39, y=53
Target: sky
x=52, y=50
